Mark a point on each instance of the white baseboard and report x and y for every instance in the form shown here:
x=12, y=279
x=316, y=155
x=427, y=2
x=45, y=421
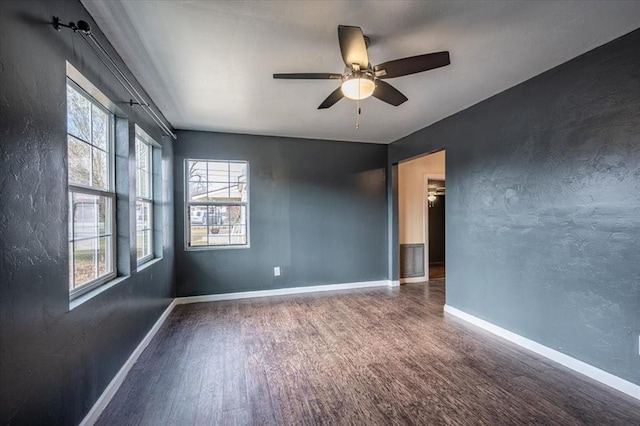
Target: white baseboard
x=576, y=365
x=394, y=283
x=280, y=292
x=114, y=385
x=414, y=280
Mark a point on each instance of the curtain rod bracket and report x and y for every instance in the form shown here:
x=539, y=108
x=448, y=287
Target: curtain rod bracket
x=132, y=103
x=81, y=26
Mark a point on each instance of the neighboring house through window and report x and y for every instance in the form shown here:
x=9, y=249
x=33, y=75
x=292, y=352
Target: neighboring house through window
x=217, y=203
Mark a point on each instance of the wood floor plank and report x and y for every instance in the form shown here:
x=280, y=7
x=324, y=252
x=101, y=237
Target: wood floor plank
x=369, y=356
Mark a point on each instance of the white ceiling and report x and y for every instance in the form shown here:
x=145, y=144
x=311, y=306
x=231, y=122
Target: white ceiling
x=208, y=65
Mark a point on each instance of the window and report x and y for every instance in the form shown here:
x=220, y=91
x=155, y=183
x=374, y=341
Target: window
x=91, y=191
x=144, y=199
x=217, y=203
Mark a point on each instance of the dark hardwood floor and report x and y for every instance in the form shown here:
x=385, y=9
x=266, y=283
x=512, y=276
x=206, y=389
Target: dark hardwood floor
x=436, y=270
x=363, y=357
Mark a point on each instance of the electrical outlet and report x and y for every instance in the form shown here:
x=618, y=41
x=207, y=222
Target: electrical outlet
x=276, y=271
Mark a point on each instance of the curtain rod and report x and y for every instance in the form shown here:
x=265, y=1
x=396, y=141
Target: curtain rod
x=84, y=30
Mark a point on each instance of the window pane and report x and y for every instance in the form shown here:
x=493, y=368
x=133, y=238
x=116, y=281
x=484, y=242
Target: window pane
x=143, y=187
x=198, y=235
x=100, y=134
x=237, y=215
x=217, y=191
x=85, y=215
x=70, y=218
x=197, y=191
x=238, y=235
x=79, y=159
x=198, y=215
x=238, y=181
x=144, y=237
x=139, y=244
x=216, y=215
x=143, y=215
x=220, y=236
x=197, y=171
x=84, y=254
x=71, y=268
x=104, y=215
x=100, y=169
x=140, y=213
x=237, y=172
x=218, y=171
x=78, y=114
x=147, y=243
x=104, y=256
x=137, y=152
x=91, y=215
x=238, y=192
x=142, y=155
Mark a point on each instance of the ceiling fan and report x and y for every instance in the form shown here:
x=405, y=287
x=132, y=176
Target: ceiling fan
x=360, y=79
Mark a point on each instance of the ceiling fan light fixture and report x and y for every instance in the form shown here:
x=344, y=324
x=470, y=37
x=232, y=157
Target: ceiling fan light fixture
x=358, y=86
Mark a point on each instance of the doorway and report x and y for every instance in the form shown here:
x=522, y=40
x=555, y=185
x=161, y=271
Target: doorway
x=435, y=225
x=421, y=227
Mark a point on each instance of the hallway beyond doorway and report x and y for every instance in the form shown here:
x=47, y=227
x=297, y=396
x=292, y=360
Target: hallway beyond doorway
x=421, y=217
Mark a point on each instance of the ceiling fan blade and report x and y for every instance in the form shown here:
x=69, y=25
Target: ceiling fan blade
x=352, y=46
x=389, y=94
x=334, y=97
x=412, y=65
x=309, y=76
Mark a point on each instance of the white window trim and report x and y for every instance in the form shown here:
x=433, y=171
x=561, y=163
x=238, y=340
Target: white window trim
x=146, y=141
x=188, y=204
x=76, y=188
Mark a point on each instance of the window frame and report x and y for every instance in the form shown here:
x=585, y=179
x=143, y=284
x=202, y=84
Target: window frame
x=88, y=190
x=188, y=204
x=150, y=200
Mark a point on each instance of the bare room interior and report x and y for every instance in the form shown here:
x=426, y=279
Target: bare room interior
x=319, y=212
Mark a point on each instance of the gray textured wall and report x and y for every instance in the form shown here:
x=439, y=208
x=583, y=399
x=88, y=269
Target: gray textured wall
x=318, y=210
x=543, y=207
x=55, y=362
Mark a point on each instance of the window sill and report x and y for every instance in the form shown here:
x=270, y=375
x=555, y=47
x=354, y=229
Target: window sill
x=96, y=291
x=148, y=263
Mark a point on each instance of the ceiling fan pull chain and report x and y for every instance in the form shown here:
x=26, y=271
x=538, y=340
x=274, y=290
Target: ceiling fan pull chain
x=358, y=109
